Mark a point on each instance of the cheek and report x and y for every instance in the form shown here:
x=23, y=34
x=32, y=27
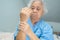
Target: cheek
x=38, y=15
x=41, y=13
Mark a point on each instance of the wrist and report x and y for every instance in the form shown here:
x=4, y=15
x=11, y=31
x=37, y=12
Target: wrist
x=30, y=33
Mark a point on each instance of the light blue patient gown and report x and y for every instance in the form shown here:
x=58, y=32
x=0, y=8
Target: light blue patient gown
x=41, y=29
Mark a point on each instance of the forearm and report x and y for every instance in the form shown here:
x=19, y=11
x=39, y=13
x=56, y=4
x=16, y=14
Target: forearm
x=20, y=36
x=33, y=36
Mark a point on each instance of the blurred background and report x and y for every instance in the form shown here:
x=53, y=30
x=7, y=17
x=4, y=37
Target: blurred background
x=10, y=10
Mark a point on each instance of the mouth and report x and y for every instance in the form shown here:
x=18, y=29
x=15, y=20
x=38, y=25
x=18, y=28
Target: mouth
x=34, y=17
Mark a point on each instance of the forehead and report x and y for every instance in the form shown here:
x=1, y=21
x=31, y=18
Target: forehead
x=36, y=3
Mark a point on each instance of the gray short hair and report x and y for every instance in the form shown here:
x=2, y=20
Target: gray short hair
x=44, y=4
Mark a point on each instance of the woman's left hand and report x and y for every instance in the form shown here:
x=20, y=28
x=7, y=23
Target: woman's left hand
x=25, y=27
x=27, y=30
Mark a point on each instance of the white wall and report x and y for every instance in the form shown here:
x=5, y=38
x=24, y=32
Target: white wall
x=9, y=14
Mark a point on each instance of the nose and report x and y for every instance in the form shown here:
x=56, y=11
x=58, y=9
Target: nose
x=34, y=10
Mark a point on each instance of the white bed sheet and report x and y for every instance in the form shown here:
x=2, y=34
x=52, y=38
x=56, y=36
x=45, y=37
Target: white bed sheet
x=9, y=36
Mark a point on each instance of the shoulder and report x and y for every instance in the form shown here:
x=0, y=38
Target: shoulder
x=46, y=28
x=45, y=25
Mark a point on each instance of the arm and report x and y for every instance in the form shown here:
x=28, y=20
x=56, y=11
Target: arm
x=20, y=36
x=27, y=30
x=24, y=15
x=33, y=36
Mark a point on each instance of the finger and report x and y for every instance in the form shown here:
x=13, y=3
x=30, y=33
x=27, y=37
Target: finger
x=29, y=12
x=27, y=9
x=21, y=26
x=23, y=29
x=23, y=23
x=24, y=8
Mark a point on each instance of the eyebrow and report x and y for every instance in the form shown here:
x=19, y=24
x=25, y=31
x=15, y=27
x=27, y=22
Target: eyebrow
x=37, y=6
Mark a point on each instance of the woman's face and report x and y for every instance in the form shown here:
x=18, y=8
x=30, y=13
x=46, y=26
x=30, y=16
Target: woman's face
x=37, y=9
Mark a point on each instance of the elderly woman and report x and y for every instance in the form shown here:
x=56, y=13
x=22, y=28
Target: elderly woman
x=32, y=26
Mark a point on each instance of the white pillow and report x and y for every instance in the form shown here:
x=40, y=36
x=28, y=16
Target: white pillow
x=6, y=36
x=55, y=37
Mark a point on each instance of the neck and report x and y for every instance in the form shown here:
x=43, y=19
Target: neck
x=34, y=21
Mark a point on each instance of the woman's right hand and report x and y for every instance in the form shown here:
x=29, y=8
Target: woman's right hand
x=25, y=14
